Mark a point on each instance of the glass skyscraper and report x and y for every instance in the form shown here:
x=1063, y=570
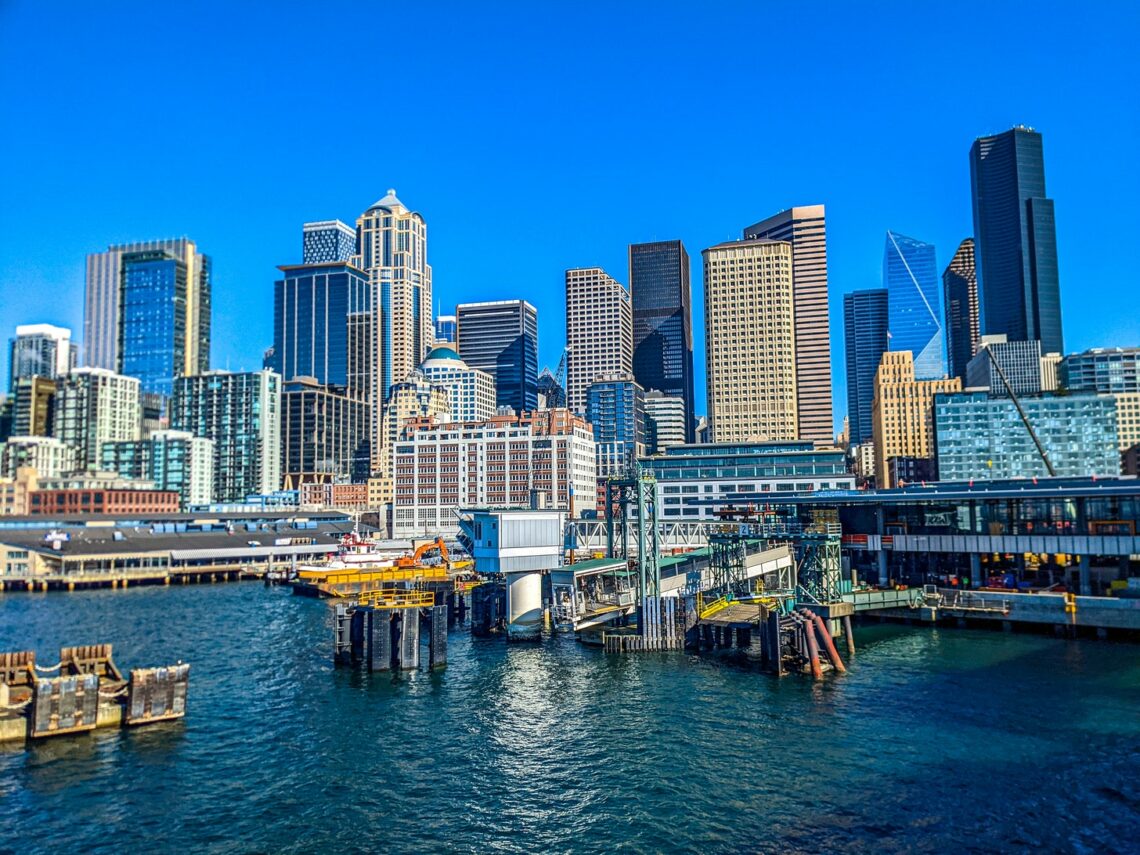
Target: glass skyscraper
x=1016, y=239
x=321, y=324
x=445, y=329
x=663, y=322
x=865, y=336
x=501, y=338
x=910, y=276
x=615, y=408
x=152, y=319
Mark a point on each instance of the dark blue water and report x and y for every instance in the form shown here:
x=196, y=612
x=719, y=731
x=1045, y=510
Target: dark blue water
x=935, y=741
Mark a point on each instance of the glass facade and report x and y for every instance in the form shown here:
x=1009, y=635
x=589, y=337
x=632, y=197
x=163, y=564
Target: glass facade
x=501, y=338
x=317, y=331
x=616, y=411
x=983, y=437
x=758, y=460
x=152, y=319
x=865, y=335
x=662, y=322
x=1016, y=239
x=327, y=242
x=910, y=276
x=445, y=329
x=1102, y=370
x=1019, y=360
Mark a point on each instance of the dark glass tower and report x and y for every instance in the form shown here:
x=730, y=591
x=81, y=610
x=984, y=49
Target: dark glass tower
x=663, y=322
x=1016, y=239
x=865, y=333
x=960, y=290
x=501, y=338
x=320, y=324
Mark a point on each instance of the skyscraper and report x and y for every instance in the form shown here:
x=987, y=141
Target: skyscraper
x=865, y=336
x=806, y=230
x=241, y=413
x=101, y=314
x=599, y=331
x=1016, y=239
x=501, y=338
x=750, y=342
x=327, y=242
x=470, y=392
x=667, y=417
x=960, y=289
x=910, y=276
x=392, y=252
x=445, y=329
x=1020, y=362
x=663, y=322
x=324, y=434
x=152, y=319
x=40, y=350
x=615, y=409
x=322, y=323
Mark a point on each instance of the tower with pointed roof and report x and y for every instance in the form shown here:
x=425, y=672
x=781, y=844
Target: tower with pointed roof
x=392, y=252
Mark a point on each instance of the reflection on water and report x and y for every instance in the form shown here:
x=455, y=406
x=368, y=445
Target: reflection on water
x=935, y=740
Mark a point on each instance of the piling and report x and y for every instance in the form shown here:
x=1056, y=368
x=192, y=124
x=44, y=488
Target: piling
x=825, y=637
x=378, y=639
x=437, y=637
x=812, y=647
x=409, y=639
x=849, y=634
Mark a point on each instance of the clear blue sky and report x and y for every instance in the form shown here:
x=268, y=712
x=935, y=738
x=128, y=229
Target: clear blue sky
x=539, y=137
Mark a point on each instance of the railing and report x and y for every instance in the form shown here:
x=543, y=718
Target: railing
x=396, y=598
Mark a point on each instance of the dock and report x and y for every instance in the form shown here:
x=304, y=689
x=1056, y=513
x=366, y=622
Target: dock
x=87, y=692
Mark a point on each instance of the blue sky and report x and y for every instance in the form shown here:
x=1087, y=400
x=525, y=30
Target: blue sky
x=535, y=137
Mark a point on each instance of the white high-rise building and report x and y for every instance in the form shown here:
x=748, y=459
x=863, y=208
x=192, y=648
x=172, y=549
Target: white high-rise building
x=668, y=417
x=599, y=331
x=40, y=350
x=94, y=406
x=470, y=392
x=750, y=341
x=393, y=254
x=50, y=457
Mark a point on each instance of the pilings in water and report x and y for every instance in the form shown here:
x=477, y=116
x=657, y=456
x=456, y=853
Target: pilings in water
x=488, y=608
x=384, y=638
x=662, y=624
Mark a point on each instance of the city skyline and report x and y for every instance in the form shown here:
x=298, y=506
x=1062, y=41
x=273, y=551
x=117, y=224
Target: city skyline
x=924, y=191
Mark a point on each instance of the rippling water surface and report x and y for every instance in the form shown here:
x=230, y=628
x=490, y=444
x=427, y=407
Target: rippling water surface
x=934, y=741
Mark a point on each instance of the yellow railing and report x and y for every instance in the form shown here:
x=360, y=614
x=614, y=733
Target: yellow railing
x=389, y=574
x=396, y=598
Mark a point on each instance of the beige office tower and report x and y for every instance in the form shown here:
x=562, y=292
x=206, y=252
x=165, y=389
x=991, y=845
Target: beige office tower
x=393, y=253
x=902, y=412
x=805, y=229
x=750, y=342
x=599, y=331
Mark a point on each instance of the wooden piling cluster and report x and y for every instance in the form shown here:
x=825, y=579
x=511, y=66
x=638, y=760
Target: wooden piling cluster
x=88, y=692
x=387, y=638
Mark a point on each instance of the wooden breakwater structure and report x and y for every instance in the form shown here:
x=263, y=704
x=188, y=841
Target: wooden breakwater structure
x=87, y=692
x=381, y=630
x=663, y=624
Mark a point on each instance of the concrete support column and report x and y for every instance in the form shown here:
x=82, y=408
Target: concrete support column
x=1086, y=580
x=976, y=580
x=881, y=560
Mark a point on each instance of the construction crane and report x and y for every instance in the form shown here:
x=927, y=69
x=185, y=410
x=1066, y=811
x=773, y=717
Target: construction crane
x=558, y=377
x=1021, y=412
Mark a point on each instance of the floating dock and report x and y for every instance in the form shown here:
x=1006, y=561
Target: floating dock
x=87, y=692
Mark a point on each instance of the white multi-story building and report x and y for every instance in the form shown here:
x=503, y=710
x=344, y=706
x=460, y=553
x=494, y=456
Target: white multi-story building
x=599, y=331
x=40, y=350
x=668, y=418
x=470, y=391
x=50, y=457
x=498, y=463
x=94, y=406
x=393, y=254
x=750, y=342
